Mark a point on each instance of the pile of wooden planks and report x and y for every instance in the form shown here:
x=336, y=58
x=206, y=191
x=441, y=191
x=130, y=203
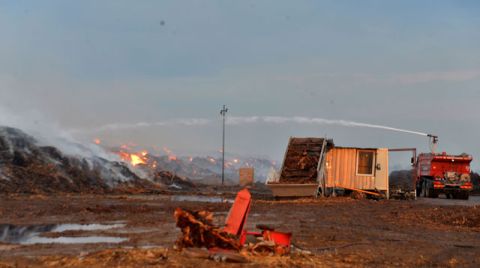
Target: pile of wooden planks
x=301, y=160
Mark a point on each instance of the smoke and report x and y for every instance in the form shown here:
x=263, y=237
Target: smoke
x=48, y=133
x=243, y=120
x=126, y=126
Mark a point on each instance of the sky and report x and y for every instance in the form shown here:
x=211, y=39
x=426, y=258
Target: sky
x=156, y=73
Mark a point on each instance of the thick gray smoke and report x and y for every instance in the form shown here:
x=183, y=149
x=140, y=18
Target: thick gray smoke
x=48, y=133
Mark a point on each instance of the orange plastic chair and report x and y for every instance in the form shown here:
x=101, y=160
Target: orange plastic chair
x=237, y=218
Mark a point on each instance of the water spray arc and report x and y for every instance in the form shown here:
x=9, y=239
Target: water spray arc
x=244, y=120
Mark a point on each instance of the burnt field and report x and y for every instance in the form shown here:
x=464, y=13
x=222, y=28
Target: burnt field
x=139, y=230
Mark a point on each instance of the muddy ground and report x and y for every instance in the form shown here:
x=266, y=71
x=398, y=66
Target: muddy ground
x=339, y=232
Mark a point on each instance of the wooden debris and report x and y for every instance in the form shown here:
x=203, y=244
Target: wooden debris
x=301, y=160
x=268, y=248
x=362, y=191
x=198, y=231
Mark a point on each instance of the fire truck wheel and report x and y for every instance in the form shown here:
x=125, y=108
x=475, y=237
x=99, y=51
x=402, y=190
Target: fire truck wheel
x=430, y=192
x=427, y=191
x=424, y=192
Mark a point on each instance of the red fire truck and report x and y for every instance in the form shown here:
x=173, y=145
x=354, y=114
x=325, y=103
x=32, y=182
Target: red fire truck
x=442, y=173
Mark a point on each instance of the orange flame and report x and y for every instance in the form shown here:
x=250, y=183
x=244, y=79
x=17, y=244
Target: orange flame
x=135, y=160
x=97, y=141
x=124, y=156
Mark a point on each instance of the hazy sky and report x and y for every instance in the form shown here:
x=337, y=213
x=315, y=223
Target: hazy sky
x=98, y=68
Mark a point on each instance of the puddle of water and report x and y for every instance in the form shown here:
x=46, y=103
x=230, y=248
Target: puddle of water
x=200, y=198
x=86, y=227
x=73, y=240
x=29, y=235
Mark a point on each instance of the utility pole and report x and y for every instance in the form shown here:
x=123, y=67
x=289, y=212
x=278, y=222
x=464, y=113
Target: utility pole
x=223, y=112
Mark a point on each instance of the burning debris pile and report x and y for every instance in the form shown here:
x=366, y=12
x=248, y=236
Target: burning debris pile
x=28, y=167
x=205, y=170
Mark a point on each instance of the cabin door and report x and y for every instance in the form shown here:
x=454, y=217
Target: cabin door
x=381, y=170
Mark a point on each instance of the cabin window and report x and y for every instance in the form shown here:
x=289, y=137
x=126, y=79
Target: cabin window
x=365, y=163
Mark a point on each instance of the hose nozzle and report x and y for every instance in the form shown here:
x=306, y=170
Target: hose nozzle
x=434, y=138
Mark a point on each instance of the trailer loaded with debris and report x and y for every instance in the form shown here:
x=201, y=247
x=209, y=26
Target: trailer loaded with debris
x=302, y=167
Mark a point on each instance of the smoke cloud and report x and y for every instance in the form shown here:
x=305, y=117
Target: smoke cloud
x=47, y=133
x=177, y=122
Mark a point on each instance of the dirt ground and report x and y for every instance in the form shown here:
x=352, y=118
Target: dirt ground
x=340, y=232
